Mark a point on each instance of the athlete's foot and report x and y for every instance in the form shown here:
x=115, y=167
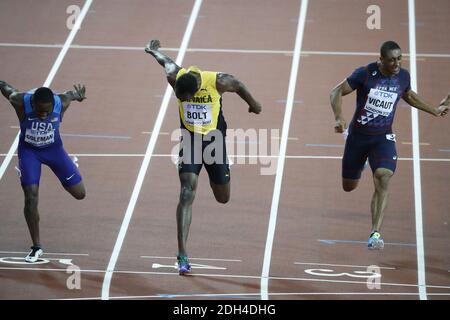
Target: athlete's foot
x=34, y=254
x=183, y=265
x=375, y=241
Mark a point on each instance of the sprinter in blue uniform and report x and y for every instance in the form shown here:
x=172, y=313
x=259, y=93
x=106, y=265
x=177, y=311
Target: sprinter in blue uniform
x=379, y=86
x=40, y=113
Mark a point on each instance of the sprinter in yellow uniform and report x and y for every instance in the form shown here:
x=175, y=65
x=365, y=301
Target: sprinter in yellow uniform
x=204, y=128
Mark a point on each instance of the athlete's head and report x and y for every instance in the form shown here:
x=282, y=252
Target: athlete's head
x=391, y=57
x=43, y=102
x=186, y=86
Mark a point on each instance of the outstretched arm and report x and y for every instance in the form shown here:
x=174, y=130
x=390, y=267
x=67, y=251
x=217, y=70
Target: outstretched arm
x=79, y=94
x=169, y=66
x=228, y=83
x=14, y=97
x=342, y=89
x=416, y=101
x=6, y=89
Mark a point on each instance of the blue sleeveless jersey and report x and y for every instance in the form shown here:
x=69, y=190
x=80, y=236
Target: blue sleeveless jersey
x=377, y=97
x=40, y=133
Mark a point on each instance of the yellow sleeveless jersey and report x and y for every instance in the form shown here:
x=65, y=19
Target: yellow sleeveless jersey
x=201, y=113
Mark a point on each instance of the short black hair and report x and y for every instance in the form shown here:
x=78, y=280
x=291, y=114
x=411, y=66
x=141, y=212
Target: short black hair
x=43, y=95
x=187, y=83
x=388, y=46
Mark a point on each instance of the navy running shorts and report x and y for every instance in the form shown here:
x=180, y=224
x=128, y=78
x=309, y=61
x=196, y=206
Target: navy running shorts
x=379, y=149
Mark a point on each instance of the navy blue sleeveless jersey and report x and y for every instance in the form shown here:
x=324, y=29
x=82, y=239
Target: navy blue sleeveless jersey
x=377, y=98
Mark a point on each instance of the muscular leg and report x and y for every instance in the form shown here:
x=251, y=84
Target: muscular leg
x=78, y=191
x=31, y=212
x=221, y=191
x=349, y=184
x=184, y=209
x=379, y=202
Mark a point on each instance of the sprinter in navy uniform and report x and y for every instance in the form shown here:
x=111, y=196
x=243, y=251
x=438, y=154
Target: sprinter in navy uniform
x=40, y=113
x=379, y=86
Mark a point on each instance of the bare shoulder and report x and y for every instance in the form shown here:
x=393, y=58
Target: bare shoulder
x=16, y=98
x=226, y=82
x=171, y=72
x=225, y=77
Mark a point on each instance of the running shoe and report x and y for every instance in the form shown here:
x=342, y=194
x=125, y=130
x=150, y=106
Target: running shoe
x=34, y=254
x=375, y=241
x=183, y=265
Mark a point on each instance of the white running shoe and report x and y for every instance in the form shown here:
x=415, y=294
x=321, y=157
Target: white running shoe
x=34, y=254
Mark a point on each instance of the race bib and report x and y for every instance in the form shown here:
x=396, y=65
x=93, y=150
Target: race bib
x=380, y=102
x=197, y=114
x=39, y=138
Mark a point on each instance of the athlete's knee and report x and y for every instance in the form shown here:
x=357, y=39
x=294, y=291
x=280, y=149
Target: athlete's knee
x=187, y=194
x=77, y=191
x=382, y=177
x=349, y=186
x=31, y=198
x=223, y=198
x=79, y=195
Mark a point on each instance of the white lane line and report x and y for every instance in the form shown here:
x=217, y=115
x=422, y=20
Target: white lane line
x=49, y=79
x=354, y=282
x=422, y=143
x=205, y=259
x=238, y=295
x=78, y=135
x=166, y=155
x=46, y=253
x=215, y=275
x=282, y=153
x=148, y=155
x=161, y=155
x=30, y=45
x=416, y=156
x=211, y=50
x=242, y=294
x=161, y=133
x=339, y=265
x=49, y=269
x=95, y=136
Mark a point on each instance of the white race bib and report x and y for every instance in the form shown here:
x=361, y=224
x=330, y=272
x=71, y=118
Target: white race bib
x=197, y=114
x=39, y=138
x=380, y=102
